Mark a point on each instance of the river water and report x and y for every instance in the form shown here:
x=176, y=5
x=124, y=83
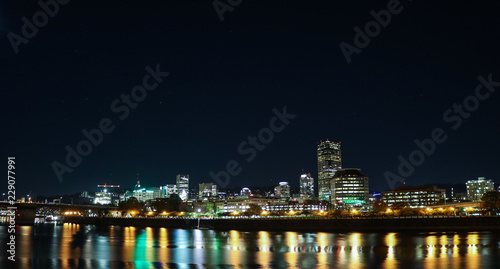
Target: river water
x=80, y=246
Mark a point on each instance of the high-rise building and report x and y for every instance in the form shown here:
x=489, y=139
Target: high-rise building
x=329, y=162
x=207, y=190
x=306, y=185
x=476, y=188
x=282, y=190
x=182, y=183
x=350, y=187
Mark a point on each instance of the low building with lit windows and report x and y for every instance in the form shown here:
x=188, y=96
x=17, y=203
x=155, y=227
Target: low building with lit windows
x=240, y=205
x=421, y=196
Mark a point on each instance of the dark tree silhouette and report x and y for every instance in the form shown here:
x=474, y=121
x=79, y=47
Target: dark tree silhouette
x=131, y=204
x=490, y=202
x=380, y=206
x=254, y=210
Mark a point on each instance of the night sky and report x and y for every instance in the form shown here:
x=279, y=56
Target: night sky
x=226, y=77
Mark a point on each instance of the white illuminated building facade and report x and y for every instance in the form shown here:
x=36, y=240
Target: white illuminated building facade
x=306, y=185
x=168, y=190
x=144, y=194
x=103, y=198
x=476, y=188
x=182, y=182
x=282, y=190
x=245, y=192
x=207, y=190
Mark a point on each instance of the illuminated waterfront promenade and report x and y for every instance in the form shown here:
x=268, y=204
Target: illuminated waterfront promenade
x=421, y=223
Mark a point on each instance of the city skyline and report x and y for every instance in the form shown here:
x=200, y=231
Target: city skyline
x=237, y=133
x=223, y=82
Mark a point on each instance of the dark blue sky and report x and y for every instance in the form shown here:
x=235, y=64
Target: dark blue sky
x=227, y=76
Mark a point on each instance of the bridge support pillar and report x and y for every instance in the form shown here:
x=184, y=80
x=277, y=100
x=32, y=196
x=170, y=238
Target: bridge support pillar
x=25, y=214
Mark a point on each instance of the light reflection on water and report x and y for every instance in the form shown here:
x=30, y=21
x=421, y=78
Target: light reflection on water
x=79, y=246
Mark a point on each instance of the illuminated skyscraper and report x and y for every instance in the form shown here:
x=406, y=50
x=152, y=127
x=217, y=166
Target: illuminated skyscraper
x=306, y=185
x=183, y=186
x=329, y=162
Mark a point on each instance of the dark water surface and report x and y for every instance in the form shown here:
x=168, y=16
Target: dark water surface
x=79, y=246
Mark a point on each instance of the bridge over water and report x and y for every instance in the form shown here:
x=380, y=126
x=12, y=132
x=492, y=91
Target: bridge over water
x=25, y=213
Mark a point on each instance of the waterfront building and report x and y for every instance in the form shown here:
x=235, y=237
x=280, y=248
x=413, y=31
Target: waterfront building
x=414, y=196
x=240, y=205
x=476, y=188
x=329, y=161
x=207, y=190
x=306, y=185
x=350, y=187
x=299, y=207
x=282, y=190
x=182, y=183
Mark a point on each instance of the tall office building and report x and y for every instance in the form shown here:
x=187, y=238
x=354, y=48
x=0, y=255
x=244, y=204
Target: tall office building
x=350, y=187
x=306, y=185
x=329, y=162
x=207, y=190
x=476, y=188
x=182, y=183
x=282, y=190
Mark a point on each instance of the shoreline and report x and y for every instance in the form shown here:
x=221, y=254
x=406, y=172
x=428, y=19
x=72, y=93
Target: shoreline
x=476, y=223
